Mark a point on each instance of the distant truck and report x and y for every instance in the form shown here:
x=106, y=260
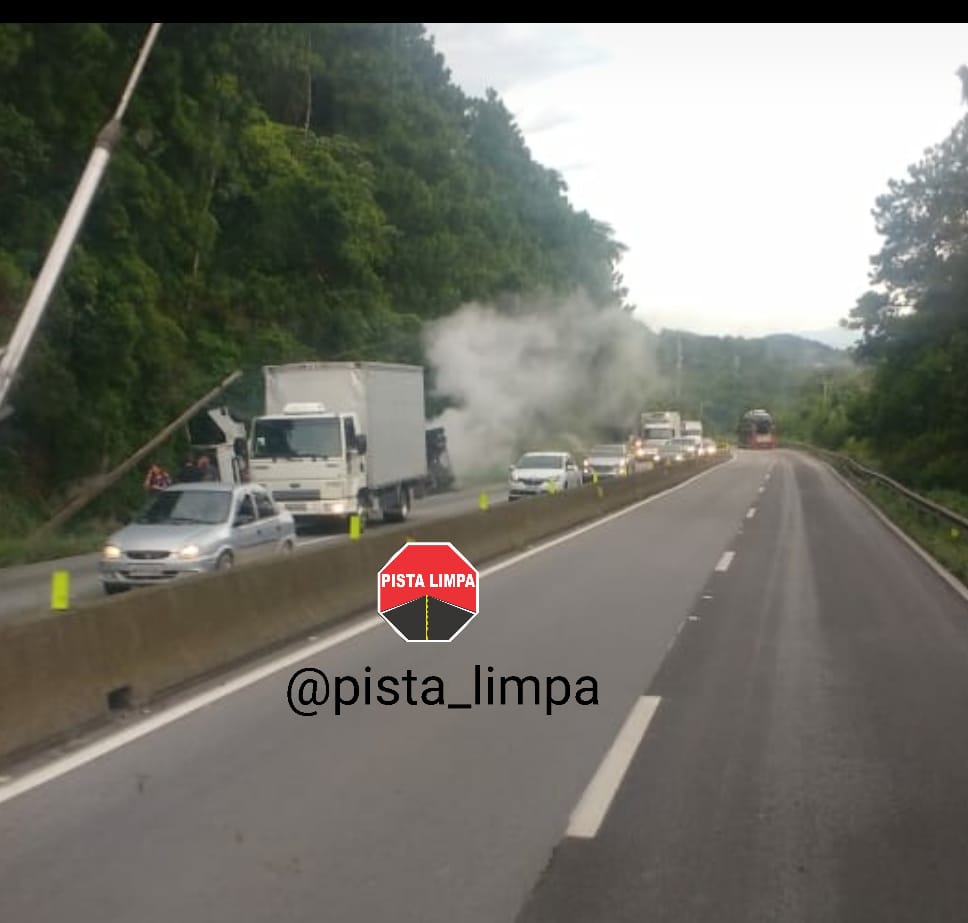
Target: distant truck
x=656, y=427
x=692, y=428
x=757, y=430
x=339, y=439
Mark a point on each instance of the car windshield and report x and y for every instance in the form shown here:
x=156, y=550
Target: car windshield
x=541, y=461
x=313, y=437
x=683, y=443
x=201, y=507
x=608, y=450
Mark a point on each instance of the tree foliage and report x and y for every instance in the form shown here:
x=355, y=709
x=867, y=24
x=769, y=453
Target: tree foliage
x=283, y=191
x=719, y=378
x=915, y=321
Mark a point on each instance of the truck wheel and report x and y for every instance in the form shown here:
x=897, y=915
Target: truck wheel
x=402, y=513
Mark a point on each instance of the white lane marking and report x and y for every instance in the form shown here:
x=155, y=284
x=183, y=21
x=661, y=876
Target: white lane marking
x=307, y=542
x=723, y=563
x=581, y=530
x=594, y=804
x=751, y=512
x=121, y=738
x=935, y=565
x=761, y=490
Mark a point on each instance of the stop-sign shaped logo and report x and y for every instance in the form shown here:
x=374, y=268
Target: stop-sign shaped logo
x=428, y=591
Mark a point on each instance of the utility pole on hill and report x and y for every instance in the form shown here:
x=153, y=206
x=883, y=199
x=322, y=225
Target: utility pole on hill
x=107, y=140
x=678, y=369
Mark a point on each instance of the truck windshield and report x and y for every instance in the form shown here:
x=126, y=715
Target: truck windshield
x=312, y=437
x=659, y=432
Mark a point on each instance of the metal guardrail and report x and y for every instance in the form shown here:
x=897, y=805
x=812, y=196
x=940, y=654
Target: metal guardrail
x=854, y=468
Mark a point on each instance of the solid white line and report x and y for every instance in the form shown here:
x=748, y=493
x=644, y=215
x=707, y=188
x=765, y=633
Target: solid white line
x=723, y=563
x=308, y=542
x=118, y=739
x=933, y=563
x=751, y=512
x=595, y=802
x=581, y=530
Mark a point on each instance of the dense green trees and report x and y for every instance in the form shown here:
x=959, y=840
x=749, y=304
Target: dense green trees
x=288, y=191
x=915, y=323
x=283, y=191
x=720, y=378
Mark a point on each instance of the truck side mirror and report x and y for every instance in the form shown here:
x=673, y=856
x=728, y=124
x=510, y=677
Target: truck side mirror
x=361, y=444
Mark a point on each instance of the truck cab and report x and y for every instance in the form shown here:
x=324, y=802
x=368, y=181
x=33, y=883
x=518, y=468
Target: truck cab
x=656, y=428
x=221, y=436
x=312, y=461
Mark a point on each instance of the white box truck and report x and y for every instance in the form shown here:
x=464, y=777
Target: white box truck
x=656, y=427
x=339, y=439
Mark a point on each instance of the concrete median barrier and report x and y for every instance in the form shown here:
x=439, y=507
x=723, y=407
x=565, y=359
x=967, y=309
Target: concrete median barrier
x=63, y=672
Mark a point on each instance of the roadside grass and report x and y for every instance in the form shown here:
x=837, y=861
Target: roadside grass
x=946, y=543
x=16, y=550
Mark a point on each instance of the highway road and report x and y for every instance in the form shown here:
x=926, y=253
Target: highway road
x=778, y=735
x=27, y=587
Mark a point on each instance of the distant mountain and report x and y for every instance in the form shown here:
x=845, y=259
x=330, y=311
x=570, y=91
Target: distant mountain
x=837, y=337
x=720, y=377
x=803, y=351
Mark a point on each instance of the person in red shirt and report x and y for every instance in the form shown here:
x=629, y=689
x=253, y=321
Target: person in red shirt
x=157, y=478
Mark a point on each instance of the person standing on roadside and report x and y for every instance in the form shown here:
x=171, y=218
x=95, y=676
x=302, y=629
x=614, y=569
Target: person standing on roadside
x=206, y=469
x=189, y=473
x=157, y=478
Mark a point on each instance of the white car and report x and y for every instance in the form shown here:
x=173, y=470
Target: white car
x=543, y=473
x=608, y=461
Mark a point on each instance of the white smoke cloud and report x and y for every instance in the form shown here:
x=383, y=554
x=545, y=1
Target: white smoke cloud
x=541, y=374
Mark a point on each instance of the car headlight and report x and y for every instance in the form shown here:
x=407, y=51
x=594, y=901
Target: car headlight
x=189, y=551
x=111, y=552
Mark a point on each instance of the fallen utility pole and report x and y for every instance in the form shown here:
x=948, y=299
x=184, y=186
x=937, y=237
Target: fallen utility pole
x=102, y=483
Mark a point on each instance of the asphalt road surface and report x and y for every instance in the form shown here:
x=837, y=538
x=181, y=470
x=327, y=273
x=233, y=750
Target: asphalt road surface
x=28, y=587
x=778, y=735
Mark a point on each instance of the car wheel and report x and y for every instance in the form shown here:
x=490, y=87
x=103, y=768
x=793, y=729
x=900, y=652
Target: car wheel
x=225, y=561
x=112, y=588
x=287, y=547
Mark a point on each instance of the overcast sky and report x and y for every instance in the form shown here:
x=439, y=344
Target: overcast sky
x=738, y=163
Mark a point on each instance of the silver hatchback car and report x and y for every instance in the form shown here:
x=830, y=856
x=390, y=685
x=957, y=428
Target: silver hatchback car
x=193, y=528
